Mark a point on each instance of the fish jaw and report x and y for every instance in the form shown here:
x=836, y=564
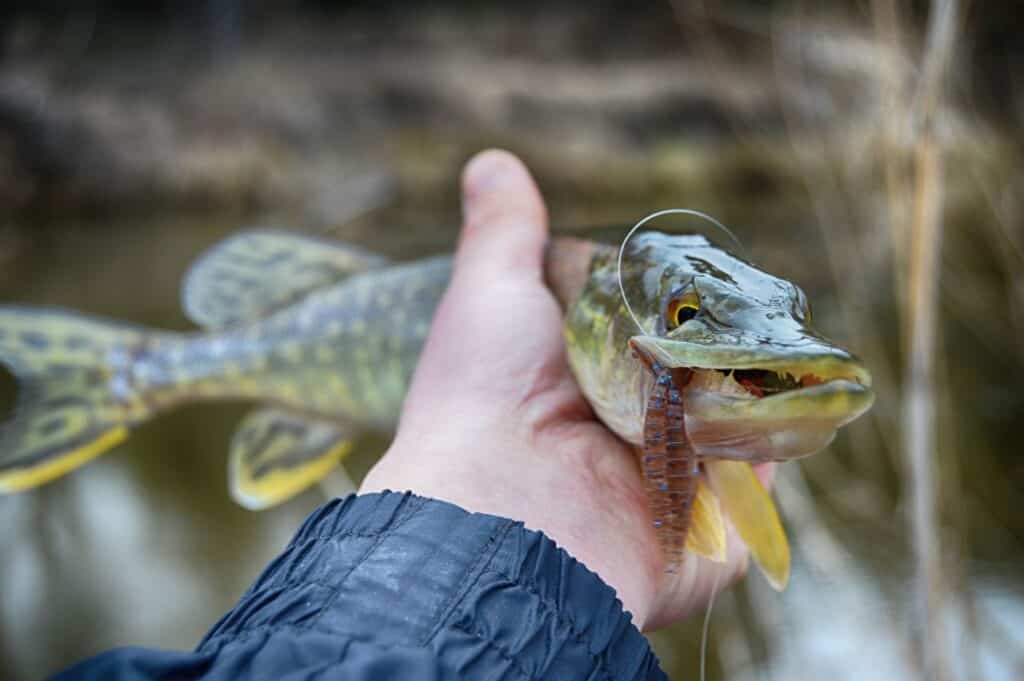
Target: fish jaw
x=771, y=404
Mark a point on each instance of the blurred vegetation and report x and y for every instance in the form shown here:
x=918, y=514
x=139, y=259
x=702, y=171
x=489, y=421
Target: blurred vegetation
x=132, y=139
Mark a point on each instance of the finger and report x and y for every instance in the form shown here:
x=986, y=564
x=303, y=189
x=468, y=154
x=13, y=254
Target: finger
x=504, y=219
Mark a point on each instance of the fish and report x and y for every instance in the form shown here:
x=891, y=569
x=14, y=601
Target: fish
x=324, y=337
x=761, y=384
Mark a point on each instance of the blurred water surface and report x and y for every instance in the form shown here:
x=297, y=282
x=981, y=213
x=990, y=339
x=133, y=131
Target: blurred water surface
x=144, y=546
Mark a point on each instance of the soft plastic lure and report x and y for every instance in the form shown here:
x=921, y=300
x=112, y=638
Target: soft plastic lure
x=669, y=464
x=685, y=514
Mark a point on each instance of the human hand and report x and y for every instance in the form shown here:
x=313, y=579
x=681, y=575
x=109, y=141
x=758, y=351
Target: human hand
x=495, y=423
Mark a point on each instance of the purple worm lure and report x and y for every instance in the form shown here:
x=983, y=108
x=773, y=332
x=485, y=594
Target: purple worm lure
x=669, y=464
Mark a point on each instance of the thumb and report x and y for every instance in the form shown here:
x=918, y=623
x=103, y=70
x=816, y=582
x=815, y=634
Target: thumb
x=504, y=226
x=499, y=257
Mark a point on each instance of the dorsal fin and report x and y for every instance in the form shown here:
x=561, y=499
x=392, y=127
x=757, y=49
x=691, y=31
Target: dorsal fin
x=253, y=273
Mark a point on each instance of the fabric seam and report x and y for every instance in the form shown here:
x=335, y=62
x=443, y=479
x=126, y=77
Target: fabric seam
x=501, y=650
x=386, y=532
x=218, y=642
x=472, y=577
x=563, y=619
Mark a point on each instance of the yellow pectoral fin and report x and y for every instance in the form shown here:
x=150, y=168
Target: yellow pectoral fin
x=752, y=512
x=276, y=454
x=706, y=534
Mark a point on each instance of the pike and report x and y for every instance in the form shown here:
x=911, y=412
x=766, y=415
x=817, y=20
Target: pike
x=325, y=337
x=757, y=383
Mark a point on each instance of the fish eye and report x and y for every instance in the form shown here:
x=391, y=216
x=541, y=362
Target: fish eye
x=681, y=309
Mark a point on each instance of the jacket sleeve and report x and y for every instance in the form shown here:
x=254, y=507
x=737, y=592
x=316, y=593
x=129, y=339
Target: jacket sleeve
x=395, y=586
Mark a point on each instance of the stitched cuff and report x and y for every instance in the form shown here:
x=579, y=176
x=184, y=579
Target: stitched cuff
x=490, y=598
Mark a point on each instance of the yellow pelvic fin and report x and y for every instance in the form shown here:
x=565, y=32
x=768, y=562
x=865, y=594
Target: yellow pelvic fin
x=24, y=478
x=752, y=512
x=276, y=454
x=706, y=535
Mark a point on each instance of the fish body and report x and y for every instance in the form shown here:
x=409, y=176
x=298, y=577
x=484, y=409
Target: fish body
x=326, y=337
x=346, y=352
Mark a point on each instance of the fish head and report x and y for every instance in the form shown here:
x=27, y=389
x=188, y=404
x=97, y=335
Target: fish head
x=762, y=384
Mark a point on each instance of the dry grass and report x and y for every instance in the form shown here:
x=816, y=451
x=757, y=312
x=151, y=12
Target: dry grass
x=882, y=215
x=919, y=385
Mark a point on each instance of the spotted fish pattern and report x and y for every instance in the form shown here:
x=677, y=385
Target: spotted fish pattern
x=346, y=352
x=66, y=413
x=324, y=335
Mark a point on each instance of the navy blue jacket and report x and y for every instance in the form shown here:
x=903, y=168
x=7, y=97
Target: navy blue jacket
x=395, y=586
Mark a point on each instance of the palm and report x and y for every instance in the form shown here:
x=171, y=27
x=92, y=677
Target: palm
x=605, y=488
x=529, y=446
x=495, y=422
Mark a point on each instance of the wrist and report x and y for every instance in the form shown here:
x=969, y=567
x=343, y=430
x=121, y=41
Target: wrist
x=626, y=574
x=623, y=565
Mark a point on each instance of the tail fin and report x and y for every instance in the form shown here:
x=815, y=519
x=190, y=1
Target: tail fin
x=73, y=401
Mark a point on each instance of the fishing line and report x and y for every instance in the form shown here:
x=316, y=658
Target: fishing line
x=707, y=621
x=629, y=308
x=644, y=221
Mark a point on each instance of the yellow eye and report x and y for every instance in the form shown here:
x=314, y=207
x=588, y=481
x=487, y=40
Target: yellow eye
x=681, y=310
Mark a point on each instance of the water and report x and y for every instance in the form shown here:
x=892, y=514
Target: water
x=144, y=546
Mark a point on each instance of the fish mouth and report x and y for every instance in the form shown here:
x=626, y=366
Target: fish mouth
x=760, y=373
x=759, y=404
x=787, y=393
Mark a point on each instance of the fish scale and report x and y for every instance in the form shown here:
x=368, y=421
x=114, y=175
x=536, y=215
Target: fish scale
x=282, y=357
